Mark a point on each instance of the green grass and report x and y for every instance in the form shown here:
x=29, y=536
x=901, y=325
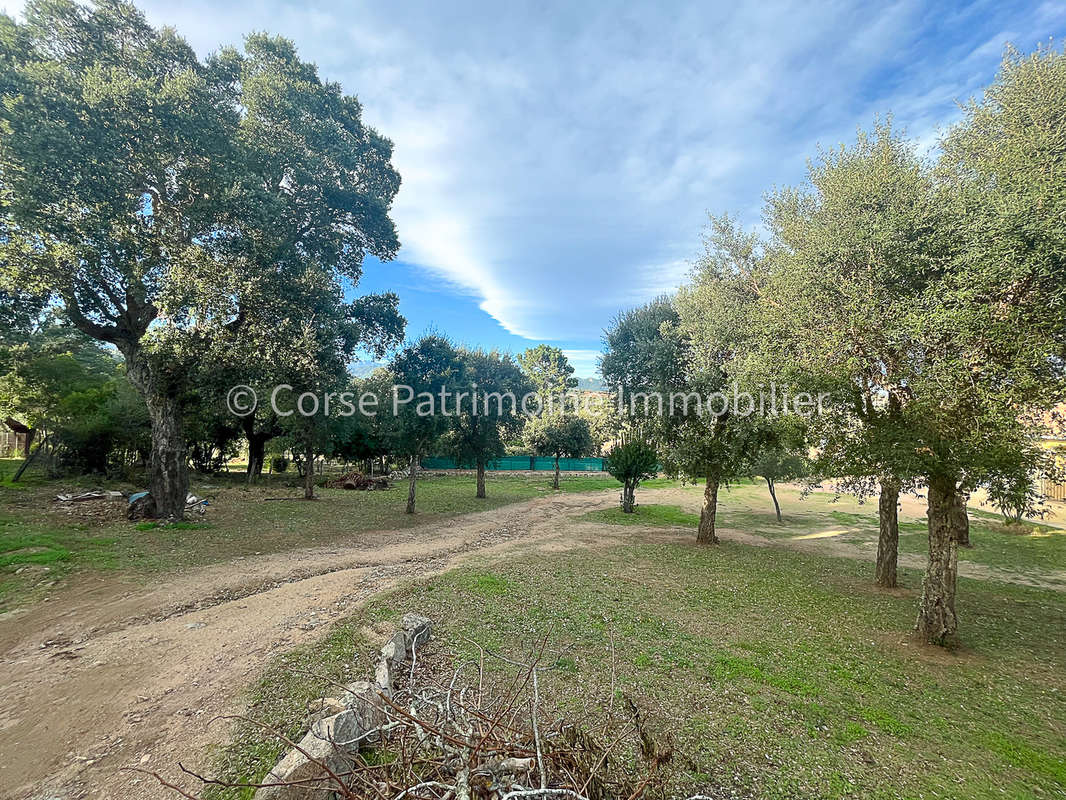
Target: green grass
x=39, y=545
x=653, y=515
x=783, y=675
x=34, y=556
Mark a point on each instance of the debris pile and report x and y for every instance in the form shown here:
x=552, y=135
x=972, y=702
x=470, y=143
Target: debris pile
x=141, y=505
x=460, y=732
x=357, y=480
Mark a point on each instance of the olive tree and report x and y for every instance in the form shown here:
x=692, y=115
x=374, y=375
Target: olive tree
x=854, y=252
x=633, y=460
x=490, y=414
x=929, y=294
x=558, y=435
x=678, y=364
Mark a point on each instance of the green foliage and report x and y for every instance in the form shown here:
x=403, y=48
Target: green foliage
x=166, y=201
x=558, y=435
x=548, y=369
x=46, y=374
x=480, y=429
x=427, y=367
x=633, y=460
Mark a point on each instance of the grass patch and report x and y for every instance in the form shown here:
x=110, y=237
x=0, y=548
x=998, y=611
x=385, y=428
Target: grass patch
x=171, y=526
x=34, y=556
x=783, y=674
x=651, y=515
x=1031, y=548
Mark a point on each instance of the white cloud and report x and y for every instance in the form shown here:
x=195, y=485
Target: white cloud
x=585, y=362
x=558, y=159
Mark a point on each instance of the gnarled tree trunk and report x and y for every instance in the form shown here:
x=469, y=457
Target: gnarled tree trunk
x=412, y=477
x=629, y=499
x=256, y=449
x=555, y=480
x=480, y=477
x=706, y=533
x=167, y=467
x=937, y=622
x=888, y=534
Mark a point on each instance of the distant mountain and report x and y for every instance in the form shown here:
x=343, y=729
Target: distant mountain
x=360, y=369
x=592, y=384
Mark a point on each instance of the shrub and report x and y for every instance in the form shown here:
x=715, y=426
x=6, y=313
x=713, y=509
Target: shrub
x=631, y=462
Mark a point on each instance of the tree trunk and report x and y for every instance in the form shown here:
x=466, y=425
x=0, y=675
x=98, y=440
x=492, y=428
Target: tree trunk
x=773, y=496
x=167, y=467
x=309, y=472
x=629, y=499
x=480, y=477
x=888, y=535
x=963, y=522
x=706, y=533
x=413, y=473
x=28, y=437
x=937, y=623
x=256, y=452
x=555, y=481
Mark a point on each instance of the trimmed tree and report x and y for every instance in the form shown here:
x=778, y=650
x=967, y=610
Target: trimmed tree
x=945, y=308
x=429, y=369
x=632, y=461
x=489, y=415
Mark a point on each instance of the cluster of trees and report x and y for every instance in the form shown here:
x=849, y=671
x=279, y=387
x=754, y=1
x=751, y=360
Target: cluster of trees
x=73, y=390
x=925, y=297
x=172, y=226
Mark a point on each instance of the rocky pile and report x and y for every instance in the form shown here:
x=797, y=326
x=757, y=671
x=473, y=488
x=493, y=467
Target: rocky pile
x=347, y=723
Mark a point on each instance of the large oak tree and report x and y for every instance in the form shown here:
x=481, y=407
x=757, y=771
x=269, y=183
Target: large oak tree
x=149, y=192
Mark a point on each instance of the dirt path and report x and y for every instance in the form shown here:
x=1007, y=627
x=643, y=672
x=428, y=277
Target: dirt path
x=107, y=675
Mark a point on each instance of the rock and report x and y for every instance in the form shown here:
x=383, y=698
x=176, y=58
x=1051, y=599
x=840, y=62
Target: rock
x=339, y=725
x=297, y=767
x=395, y=650
x=417, y=629
x=383, y=675
x=364, y=699
x=343, y=730
x=325, y=707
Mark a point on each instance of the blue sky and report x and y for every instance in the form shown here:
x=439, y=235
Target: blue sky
x=559, y=158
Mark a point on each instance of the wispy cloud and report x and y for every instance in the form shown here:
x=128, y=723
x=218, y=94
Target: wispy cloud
x=558, y=159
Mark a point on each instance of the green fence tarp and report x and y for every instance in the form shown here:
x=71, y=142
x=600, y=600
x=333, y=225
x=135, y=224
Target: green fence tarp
x=521, y=463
